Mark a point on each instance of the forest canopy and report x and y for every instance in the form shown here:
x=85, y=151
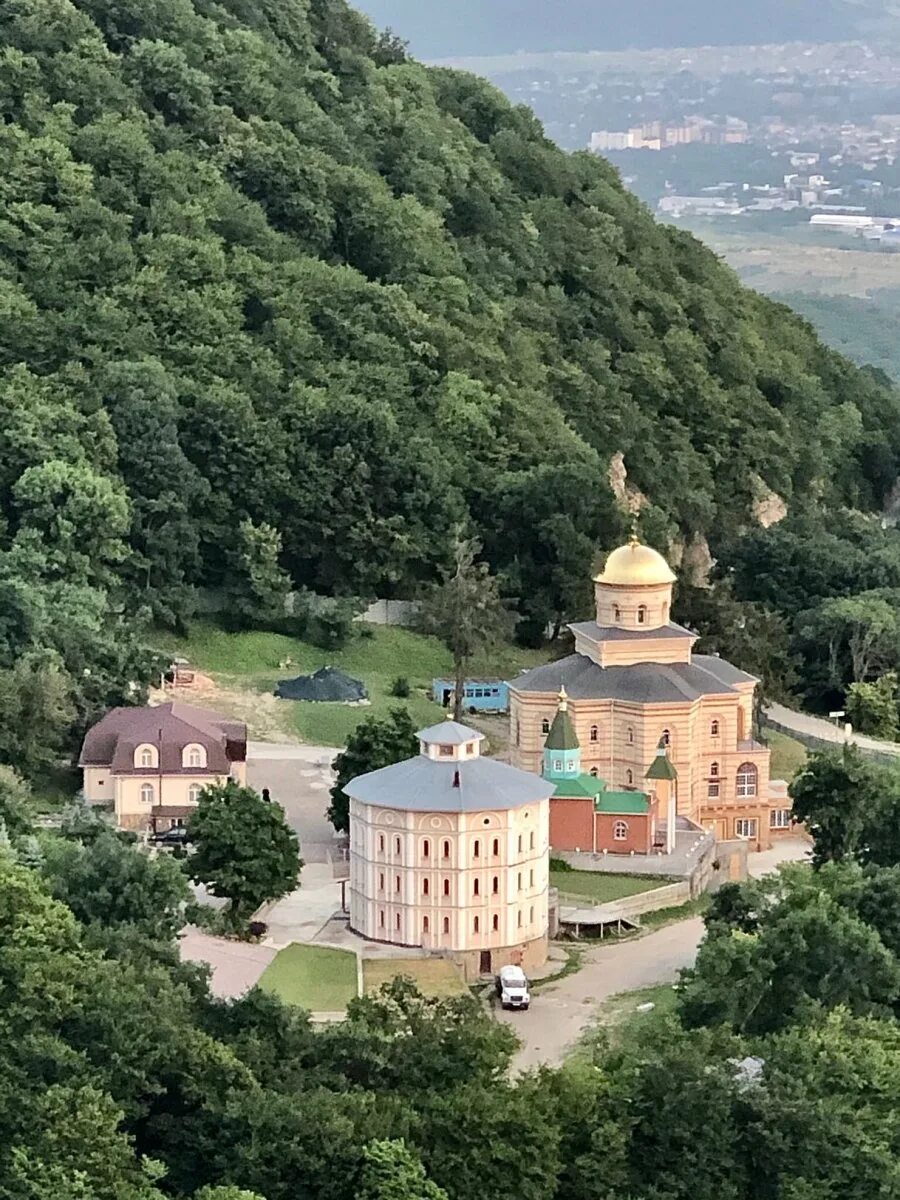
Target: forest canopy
x=283, y=306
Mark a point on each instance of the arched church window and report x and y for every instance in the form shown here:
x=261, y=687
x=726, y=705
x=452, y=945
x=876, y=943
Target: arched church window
x=642, y=614
x=714, y=728
x=595, y=733
x=424, y=924
x=747, y=779
x=545, y=726
x=446, y=924
x=629, y=736
x=496, y=922
x=620, y=831
x=617, y=613
x=714, y=768
x=594, y=772
x=666, y=737
x=629, y=777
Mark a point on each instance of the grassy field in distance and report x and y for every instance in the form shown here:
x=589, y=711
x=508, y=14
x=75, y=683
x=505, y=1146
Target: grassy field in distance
x=245, y=666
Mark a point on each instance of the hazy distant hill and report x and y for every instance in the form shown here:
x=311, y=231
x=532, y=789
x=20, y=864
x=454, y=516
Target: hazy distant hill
x=437, y=29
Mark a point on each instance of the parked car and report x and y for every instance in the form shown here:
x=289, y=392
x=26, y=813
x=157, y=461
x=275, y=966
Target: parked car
x=512, y=988
x=176, y=836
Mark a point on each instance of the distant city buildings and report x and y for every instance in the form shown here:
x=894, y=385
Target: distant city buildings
x=661, y=135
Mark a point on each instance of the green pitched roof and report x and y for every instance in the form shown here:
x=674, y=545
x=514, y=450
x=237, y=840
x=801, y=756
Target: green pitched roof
x=662, y=767
x=579, y=787
x=622, y=802
x=562, y=734
x=589, y=787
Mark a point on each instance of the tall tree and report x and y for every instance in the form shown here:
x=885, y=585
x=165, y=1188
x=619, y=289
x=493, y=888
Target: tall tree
x=465, y=611
x=243, y=848
x=373, y=744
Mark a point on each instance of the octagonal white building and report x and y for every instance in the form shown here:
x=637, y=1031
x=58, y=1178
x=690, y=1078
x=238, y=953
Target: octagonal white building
x=450, y=851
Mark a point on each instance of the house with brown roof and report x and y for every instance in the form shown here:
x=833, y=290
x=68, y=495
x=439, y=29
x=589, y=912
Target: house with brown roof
x=152, y=763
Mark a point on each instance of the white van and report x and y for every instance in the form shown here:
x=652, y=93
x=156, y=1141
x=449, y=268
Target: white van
x=512, y=988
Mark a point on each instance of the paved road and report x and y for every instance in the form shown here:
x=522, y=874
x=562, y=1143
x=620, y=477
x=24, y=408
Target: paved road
x=826, y=731
x=299, y=778
x=560, y=1013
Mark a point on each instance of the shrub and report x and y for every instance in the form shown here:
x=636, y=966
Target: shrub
x=400, y=687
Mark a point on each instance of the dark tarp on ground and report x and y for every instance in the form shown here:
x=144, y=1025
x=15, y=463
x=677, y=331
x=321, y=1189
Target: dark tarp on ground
x=327, y=685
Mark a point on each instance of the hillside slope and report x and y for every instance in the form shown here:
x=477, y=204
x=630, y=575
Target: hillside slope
x=254, y=264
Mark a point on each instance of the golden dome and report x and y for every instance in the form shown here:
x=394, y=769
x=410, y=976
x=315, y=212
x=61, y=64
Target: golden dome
x=636, y=565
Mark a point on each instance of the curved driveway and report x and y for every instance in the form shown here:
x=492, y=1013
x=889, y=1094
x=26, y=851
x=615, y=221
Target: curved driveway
x=560, y=1013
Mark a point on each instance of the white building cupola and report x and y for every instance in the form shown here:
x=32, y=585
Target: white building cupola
x=450, y=742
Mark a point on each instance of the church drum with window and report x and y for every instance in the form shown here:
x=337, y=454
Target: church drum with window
x=449, y=851
x=150, y=764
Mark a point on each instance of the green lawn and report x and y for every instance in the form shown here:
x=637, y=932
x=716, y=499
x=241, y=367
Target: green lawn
x=600, y=888
x=432, y=976
x=251, y=661
x=316, y=978
x=788, y=756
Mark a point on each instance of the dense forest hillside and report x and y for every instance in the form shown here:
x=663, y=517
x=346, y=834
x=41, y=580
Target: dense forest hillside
x=270, y=288
x=469, y=27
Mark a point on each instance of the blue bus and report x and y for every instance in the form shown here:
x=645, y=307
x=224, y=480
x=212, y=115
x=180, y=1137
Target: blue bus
x=480, y=695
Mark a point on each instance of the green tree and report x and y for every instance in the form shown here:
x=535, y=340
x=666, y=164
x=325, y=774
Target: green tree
x=256, y=586
x=872, y=707
x=465, y=611
x=373, y=744
x=392, y=1172
x=839, y=796
x=243, y=848
x=36, y=713
x=115, y=883
x=17, y=808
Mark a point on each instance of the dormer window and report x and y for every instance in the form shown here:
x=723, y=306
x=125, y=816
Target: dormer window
x=193, y=756
x=146, y=756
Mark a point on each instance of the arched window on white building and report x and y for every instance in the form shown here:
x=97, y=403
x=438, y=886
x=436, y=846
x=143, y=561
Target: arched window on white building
x=148, y=793
x=714, y=727
x=545, y=725
x=194, y=793
x=642, y=614
x=595, y=733
x=629, y=777
x=620, y=831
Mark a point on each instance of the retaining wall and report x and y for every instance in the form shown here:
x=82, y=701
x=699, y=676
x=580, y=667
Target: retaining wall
x=673, y=895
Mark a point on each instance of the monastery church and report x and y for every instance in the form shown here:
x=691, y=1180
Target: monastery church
x=635, y=686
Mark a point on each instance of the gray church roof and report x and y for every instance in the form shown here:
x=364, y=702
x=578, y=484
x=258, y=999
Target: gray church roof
x=642, y=683
x=422, y=784
x=449, y=733
x=612, y=633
